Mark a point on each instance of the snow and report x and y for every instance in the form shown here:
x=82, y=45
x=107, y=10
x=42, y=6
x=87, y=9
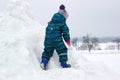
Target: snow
x=21, y=45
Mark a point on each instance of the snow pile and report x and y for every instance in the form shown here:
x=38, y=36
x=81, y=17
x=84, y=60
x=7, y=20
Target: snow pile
x=20, y=38
x=21, y=45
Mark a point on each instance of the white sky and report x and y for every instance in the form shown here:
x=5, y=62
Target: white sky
x=98, y=18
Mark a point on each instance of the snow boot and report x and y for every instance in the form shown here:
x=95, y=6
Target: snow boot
x=44, y=64
x=65, y=65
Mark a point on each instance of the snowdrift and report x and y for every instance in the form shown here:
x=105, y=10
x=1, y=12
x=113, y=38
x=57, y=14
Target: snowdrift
x=21, y=45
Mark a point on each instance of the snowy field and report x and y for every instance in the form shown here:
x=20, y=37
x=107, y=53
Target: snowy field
x=21, y=45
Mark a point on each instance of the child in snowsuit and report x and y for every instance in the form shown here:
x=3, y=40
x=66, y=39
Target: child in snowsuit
x=56, y=31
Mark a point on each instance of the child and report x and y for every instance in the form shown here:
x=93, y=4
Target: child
x=56, y=31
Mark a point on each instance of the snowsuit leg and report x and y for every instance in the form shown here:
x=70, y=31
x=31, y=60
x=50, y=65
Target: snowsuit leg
x=62, y=51
x=59, y=47
x=48, y=50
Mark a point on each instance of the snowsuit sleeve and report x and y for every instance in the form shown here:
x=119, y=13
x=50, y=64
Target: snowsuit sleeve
x=65, y=32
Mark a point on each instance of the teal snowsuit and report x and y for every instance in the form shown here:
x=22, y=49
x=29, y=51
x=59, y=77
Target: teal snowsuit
x=56, y=31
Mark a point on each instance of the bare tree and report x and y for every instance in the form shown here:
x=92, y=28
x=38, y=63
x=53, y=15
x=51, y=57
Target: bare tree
x=74, y=41
x=89, y=43
x=118, y=43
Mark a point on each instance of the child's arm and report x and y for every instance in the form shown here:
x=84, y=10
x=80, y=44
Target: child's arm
x=66, y=35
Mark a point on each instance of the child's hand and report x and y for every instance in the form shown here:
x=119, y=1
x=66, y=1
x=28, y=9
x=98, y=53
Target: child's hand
x=68, y=43
x=70, y=47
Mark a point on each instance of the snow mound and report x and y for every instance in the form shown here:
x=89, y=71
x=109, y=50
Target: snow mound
x=21, y=40
x=21, y=45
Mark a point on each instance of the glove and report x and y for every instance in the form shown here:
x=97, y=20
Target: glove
x=68, y=43
x=70, y=47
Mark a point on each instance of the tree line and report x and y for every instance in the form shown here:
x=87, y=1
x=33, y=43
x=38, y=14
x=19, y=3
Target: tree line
x=91, y=43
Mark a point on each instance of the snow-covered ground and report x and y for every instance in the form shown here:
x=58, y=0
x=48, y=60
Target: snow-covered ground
x=21, y=45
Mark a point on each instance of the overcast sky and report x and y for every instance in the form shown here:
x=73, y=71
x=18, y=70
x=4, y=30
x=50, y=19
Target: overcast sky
x=98, y=18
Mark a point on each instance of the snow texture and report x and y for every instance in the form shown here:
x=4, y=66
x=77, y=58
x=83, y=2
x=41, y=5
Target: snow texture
x=21, y=46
